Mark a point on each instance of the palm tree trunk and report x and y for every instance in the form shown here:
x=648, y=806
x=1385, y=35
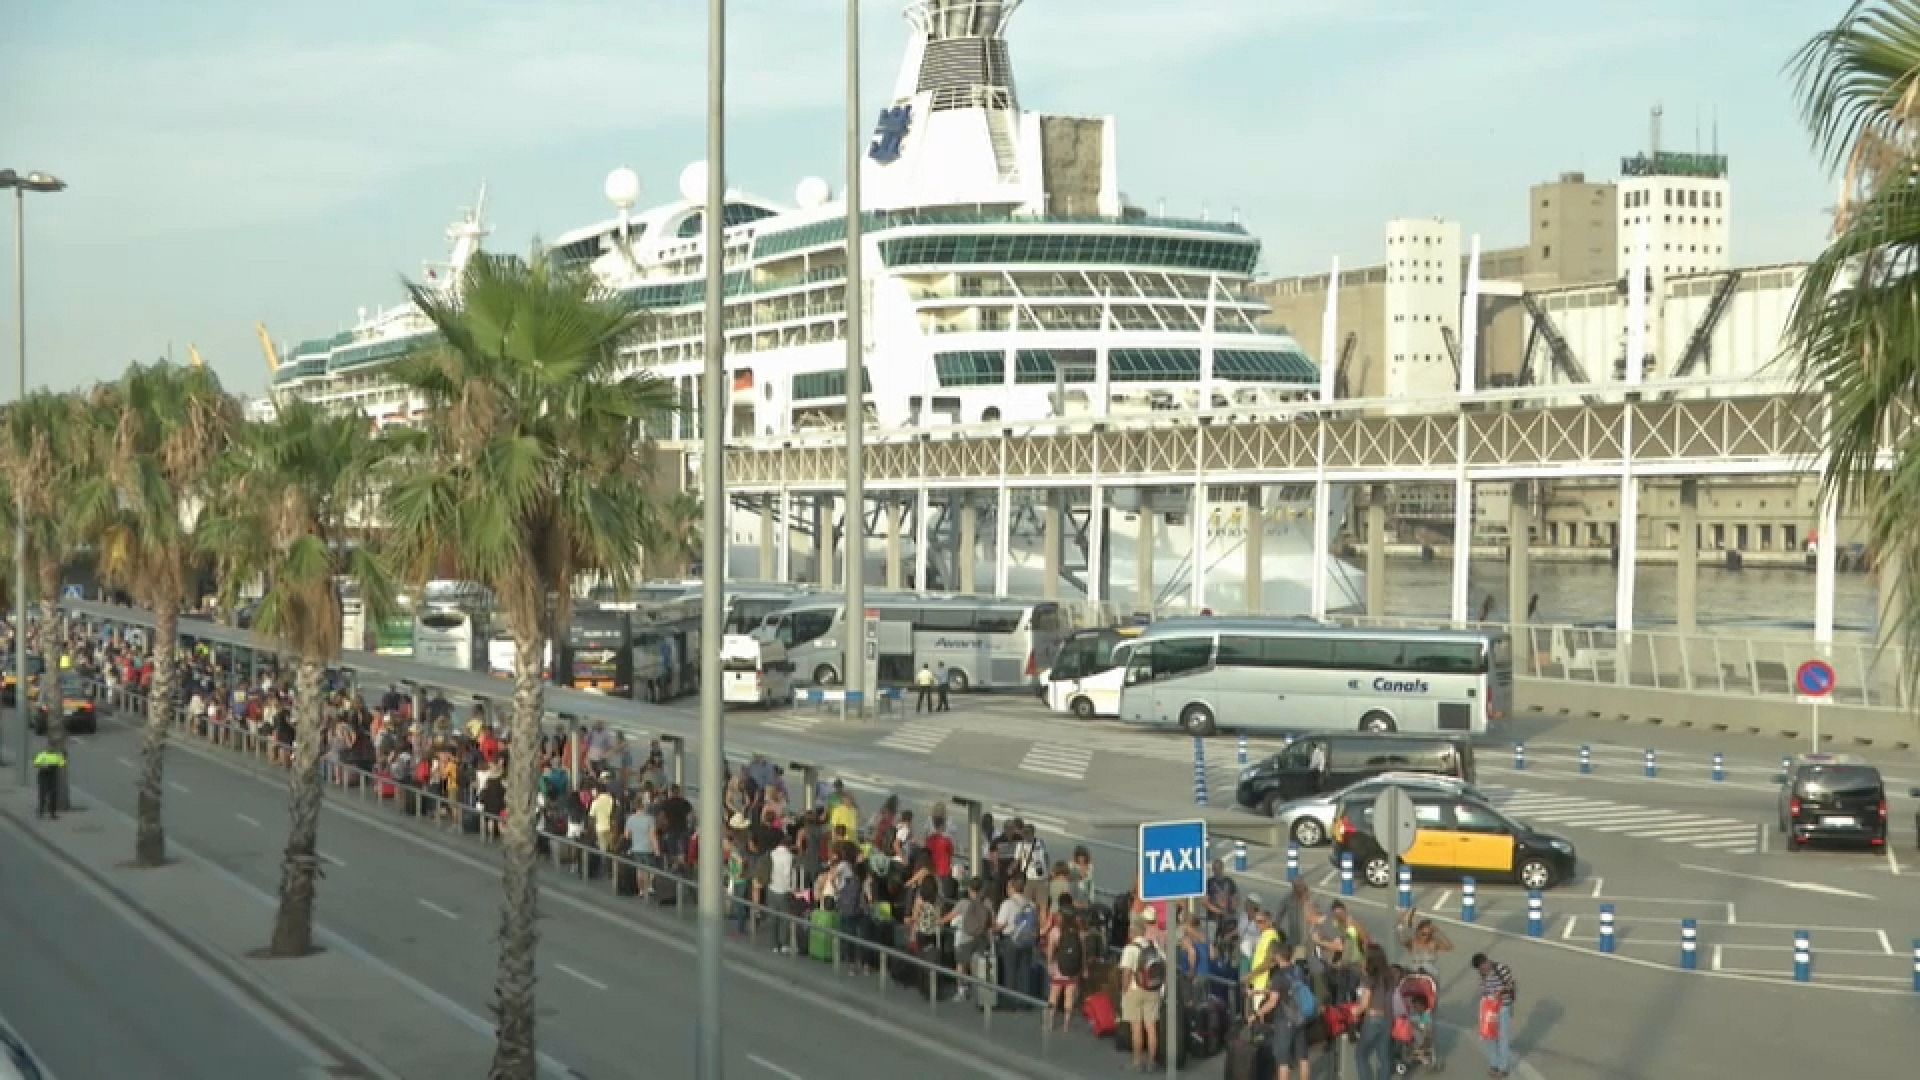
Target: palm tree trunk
x=299, y=869
x=150, y=836
x=513, y=1051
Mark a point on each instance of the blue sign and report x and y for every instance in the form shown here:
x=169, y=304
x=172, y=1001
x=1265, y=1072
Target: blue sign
x=1173, y=860
x=72, y=592
x=1815, y=678
x=890, y=133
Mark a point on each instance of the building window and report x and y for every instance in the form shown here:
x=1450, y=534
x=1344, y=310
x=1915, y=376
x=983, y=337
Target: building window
x=1669, y=194
x=1546, y=251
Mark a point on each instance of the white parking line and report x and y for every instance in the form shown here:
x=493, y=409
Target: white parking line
x=776, y=1070
x=128, y=762
x=1884, y=943
x=588, y=979
x=179, y=787
x=324, y=857
x=1441, y=903
x=1597, y=882
x=1893, y=862
x=431, y=906
x=1567, y=934
x=1716, y=958
x=1684, y=828
x=247, y=819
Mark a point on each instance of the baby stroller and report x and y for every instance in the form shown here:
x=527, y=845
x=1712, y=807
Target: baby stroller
x=1414, y=1000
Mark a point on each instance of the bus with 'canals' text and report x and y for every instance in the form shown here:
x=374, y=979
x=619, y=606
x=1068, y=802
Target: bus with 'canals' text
x=1253, y=674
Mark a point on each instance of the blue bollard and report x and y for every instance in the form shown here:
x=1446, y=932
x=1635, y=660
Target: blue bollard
x=1239, y=856
x=1719, y=768
x=1689, y=945
x=1469, y=906
x=1802, y=956
x=1293, y=862
x=1586, y=759
x=1243, y=751
x=1536, y=916
x=1916, y=965
x=1346, y=873
x=1653, y=764
x=1406, y=888
x=1519, y=756
x=1606, y=928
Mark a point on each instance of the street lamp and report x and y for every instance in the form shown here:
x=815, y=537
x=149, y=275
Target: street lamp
x=21, y=184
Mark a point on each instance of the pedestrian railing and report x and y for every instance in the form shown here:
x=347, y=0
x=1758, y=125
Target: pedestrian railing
x=896, y=973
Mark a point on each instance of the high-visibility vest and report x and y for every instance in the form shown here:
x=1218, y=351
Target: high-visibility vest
x=49, y=759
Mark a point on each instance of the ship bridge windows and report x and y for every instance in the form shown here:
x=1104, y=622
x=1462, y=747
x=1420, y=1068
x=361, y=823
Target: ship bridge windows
x=1264, y=365
x=734, y=214
x=1155, y=365
x=1038, y=365
x=971, y=368
x=1132, y=249
x=815, y=385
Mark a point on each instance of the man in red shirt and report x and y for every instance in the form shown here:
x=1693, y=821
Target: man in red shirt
x=490, y=746
x=940, y=849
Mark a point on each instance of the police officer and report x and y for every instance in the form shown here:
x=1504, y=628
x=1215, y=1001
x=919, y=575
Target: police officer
x=46, y=766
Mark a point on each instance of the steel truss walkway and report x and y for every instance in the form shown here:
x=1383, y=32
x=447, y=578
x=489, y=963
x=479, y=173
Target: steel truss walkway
x=1624, y=432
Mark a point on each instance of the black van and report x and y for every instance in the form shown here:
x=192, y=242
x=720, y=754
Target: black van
x=1316, y=764
x=1832, y=797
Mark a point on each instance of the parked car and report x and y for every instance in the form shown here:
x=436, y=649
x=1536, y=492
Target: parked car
x=1832, y=797
x=1454, y=835
x=1309, y=820
x=1323, y=763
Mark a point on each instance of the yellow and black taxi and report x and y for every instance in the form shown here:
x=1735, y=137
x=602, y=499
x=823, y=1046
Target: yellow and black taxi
x=1456, y=834
x=76, y=704
x=35, y=667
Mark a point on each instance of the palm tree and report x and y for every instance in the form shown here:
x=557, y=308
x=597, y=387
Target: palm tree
x=283, y=504
x=170, y=427
x=672, y=537
x=45, y=450
x=1856, y=322
x=523, y=474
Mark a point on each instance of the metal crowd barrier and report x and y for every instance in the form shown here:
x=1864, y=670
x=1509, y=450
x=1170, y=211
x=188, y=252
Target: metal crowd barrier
x=766, y=925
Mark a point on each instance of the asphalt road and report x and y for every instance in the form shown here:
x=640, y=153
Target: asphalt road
x=95, y=992
x=615, y=976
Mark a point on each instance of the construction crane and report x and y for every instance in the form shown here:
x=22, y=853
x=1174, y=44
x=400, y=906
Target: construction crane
x=267, y=347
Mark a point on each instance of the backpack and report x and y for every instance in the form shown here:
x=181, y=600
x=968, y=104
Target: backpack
x=1150, y=972
x=1026, y=926
x=1070, y=955
x=973, y=921
x=1305, y=1005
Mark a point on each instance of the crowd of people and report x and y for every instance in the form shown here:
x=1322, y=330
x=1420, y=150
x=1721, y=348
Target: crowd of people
x=814, y=872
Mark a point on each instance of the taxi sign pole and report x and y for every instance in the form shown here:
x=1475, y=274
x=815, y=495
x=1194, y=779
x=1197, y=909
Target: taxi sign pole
x=1173, y=856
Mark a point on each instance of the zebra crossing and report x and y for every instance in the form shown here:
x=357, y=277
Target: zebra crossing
x=795, y=723
x=1054, y=759
x=1723, y=834
x=917, y=737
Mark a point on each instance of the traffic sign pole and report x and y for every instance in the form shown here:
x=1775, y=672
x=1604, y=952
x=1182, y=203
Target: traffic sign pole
x=1815, y=681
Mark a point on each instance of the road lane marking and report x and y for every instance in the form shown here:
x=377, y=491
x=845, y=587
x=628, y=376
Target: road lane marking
x=247, y=819
x=1597, y=882
x=776, y=1070
x=342, y=863
x=1893, y=863
x=588, y=979
x=179, y=787
x=1567, y=934
x=1445, y=895
x=128, y=762
x=1716, y=958
x=1884, y=943
x=431, y=906
x=1800, y=886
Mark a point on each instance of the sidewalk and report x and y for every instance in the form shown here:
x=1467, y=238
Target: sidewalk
x=221, y=921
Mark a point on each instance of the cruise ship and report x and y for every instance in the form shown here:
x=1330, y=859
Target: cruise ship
x=1006, y=278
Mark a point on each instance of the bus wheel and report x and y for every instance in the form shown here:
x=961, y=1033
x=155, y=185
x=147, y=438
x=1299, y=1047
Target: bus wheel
x=824, y=675
x=1376, y=722
x=1198, y=720
x=1083, y=708
x=957, y=680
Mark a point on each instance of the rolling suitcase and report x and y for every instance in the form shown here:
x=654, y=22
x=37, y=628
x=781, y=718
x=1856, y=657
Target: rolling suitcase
x=1101, y=1015
x=986, y=973
x=665, y=890
x=822, y=923
x=1247, y=1054
x=1203, y=1028
x=626, y=880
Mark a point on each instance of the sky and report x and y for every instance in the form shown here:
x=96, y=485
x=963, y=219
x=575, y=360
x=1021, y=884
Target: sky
x=264, y=161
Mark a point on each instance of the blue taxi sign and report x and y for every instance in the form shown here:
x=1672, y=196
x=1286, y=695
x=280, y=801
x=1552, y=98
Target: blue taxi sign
x=1814, y=678
x=1173, y=860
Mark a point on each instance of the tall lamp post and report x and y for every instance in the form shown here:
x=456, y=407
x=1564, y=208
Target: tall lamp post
x=21, y=183
x=713, y=495
x=854, y=640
